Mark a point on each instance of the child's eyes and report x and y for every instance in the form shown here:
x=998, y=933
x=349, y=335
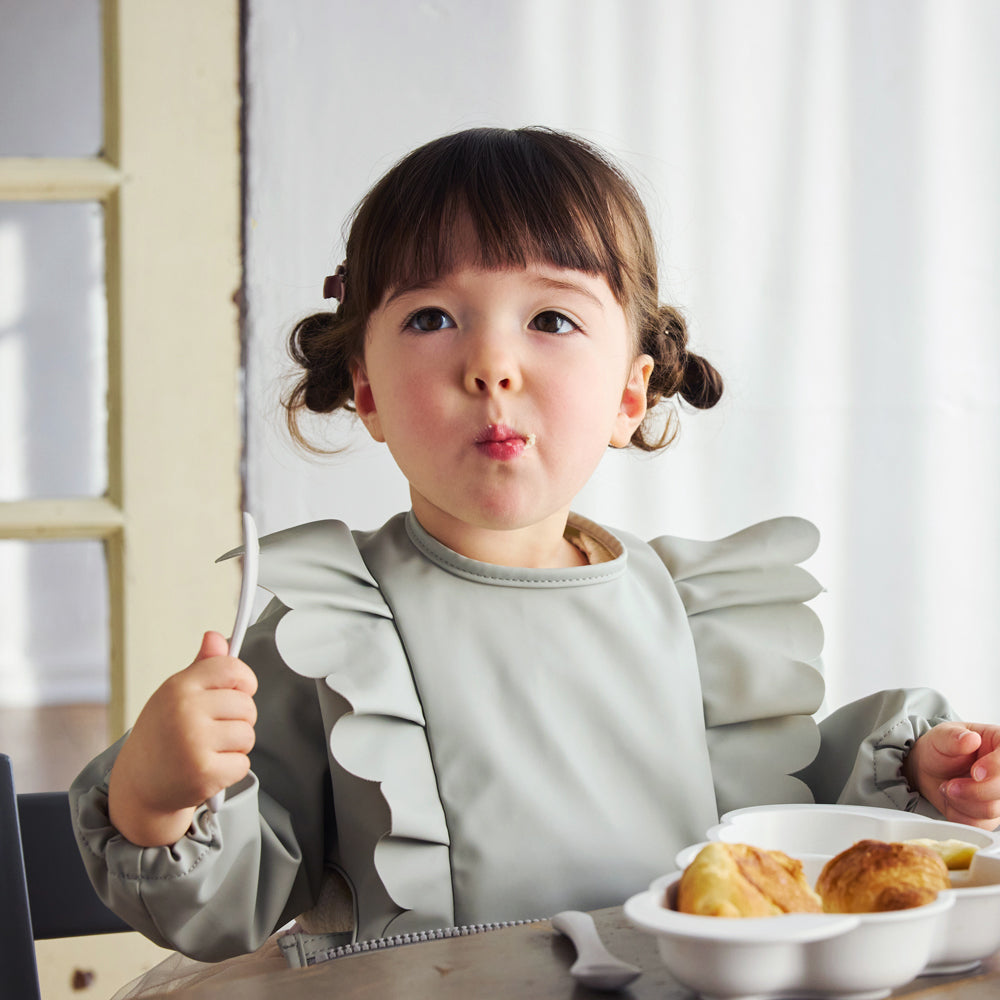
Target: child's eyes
x=428, y=320
x=551, y=321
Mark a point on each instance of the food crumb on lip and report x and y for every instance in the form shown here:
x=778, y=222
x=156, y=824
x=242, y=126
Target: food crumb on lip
x=529, y=440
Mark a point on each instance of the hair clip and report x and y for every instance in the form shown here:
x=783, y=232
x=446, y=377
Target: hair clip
x=333, y=285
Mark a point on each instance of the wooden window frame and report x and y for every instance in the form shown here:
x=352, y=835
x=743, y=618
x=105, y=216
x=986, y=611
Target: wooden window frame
x=169, y=182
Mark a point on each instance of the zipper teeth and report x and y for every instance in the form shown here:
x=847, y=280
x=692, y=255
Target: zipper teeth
x=415, y=937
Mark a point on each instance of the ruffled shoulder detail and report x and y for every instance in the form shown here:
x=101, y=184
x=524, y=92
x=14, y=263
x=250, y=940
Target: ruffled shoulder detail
x=758, y=649
x=393, y=842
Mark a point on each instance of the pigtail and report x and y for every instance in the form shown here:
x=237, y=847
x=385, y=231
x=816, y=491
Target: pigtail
x=676, y=372
x=322, y=347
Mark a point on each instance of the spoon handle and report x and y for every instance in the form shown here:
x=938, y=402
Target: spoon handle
x=579, y=927
x=248, y=586
x=595, y=966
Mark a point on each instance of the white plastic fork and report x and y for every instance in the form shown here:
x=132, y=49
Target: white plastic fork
x=248, y=587
x=595, y=966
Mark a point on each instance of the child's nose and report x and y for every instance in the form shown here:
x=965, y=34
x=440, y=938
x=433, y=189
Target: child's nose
x=492, y=366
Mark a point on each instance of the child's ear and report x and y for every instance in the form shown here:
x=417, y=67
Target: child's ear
x=633, y=405
x=364, y=401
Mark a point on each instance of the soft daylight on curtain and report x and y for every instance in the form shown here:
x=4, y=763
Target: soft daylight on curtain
x=825, y=182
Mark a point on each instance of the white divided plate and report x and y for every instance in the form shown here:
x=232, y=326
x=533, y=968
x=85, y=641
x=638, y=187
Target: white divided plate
x=970, y=932
x=857, y=956
x=825, y=829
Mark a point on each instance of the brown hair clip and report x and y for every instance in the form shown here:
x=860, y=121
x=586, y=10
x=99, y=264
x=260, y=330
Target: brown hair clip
x=333, y=285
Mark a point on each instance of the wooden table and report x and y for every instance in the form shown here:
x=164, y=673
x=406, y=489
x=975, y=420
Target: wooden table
x=529, y=961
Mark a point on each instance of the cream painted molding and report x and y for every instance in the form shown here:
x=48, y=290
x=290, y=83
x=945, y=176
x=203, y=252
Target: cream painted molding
x=45, y=179
x=169, y=184
x=173, y=131
x=70, y=518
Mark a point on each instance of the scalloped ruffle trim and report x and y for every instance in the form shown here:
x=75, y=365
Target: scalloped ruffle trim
x=394, y=847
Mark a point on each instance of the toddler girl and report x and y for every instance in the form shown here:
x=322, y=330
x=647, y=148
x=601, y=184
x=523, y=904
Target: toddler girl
x=491, y=707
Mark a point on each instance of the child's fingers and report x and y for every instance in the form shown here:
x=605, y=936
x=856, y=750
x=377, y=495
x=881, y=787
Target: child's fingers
x=954, y=739
x=234, y=737
x=981, y=798
x=986, y=767
x=218, y=758
x=223, y=672
x=212, y=644
x=976, y=799
x=233, y=767
x=989, y=736
x=974, y=802
x=213, y=652
x=237, y=675
x=214, y=772
x=230, y=705
x=223, y=722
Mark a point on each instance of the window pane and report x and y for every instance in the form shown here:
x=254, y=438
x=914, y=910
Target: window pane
x=53, y=350
x=50, y=78
x=54, y=659
x=54, y=646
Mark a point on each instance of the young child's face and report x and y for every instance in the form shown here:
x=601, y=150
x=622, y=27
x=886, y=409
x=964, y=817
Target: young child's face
x=497, y=392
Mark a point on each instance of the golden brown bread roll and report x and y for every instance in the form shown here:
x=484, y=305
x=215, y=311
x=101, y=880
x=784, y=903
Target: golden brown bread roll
x=737, y=880
x=874, y=876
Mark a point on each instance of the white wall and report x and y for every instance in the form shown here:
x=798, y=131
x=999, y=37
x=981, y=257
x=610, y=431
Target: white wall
x=825, y=179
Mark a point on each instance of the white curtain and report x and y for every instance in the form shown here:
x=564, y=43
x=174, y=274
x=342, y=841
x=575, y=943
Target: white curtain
x=824, y=177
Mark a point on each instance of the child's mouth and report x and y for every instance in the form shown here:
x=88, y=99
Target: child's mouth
x=503, y=443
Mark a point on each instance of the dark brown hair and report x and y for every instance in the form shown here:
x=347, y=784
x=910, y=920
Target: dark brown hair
x=532, y=195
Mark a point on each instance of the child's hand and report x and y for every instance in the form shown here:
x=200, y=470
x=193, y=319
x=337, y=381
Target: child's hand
x=190, y=741
x=956, y=767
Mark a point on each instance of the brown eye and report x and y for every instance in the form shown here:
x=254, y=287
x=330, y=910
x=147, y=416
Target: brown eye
x=551, y=321
x=429, y=320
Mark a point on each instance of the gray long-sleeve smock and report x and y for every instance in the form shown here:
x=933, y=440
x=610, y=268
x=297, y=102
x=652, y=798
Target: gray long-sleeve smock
x=466, y=743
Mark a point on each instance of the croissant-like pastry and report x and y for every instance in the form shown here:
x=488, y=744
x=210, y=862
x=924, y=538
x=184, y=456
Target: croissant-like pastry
x=875, y=876
x=738, y=880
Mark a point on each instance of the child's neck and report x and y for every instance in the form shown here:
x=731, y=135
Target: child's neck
x=539, y=546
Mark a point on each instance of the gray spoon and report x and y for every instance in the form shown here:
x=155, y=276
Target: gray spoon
x=595, y=966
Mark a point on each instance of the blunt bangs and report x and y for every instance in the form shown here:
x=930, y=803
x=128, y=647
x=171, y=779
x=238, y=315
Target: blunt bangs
x=524, y=196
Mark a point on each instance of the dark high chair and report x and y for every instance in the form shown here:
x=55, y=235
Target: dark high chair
x=44, y=889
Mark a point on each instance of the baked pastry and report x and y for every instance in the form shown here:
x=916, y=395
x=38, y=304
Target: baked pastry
x=957, y=854
x=738, y=880
x=875, y=876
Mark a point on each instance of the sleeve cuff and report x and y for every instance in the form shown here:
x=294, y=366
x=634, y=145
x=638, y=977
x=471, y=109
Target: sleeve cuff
x=889, y=751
